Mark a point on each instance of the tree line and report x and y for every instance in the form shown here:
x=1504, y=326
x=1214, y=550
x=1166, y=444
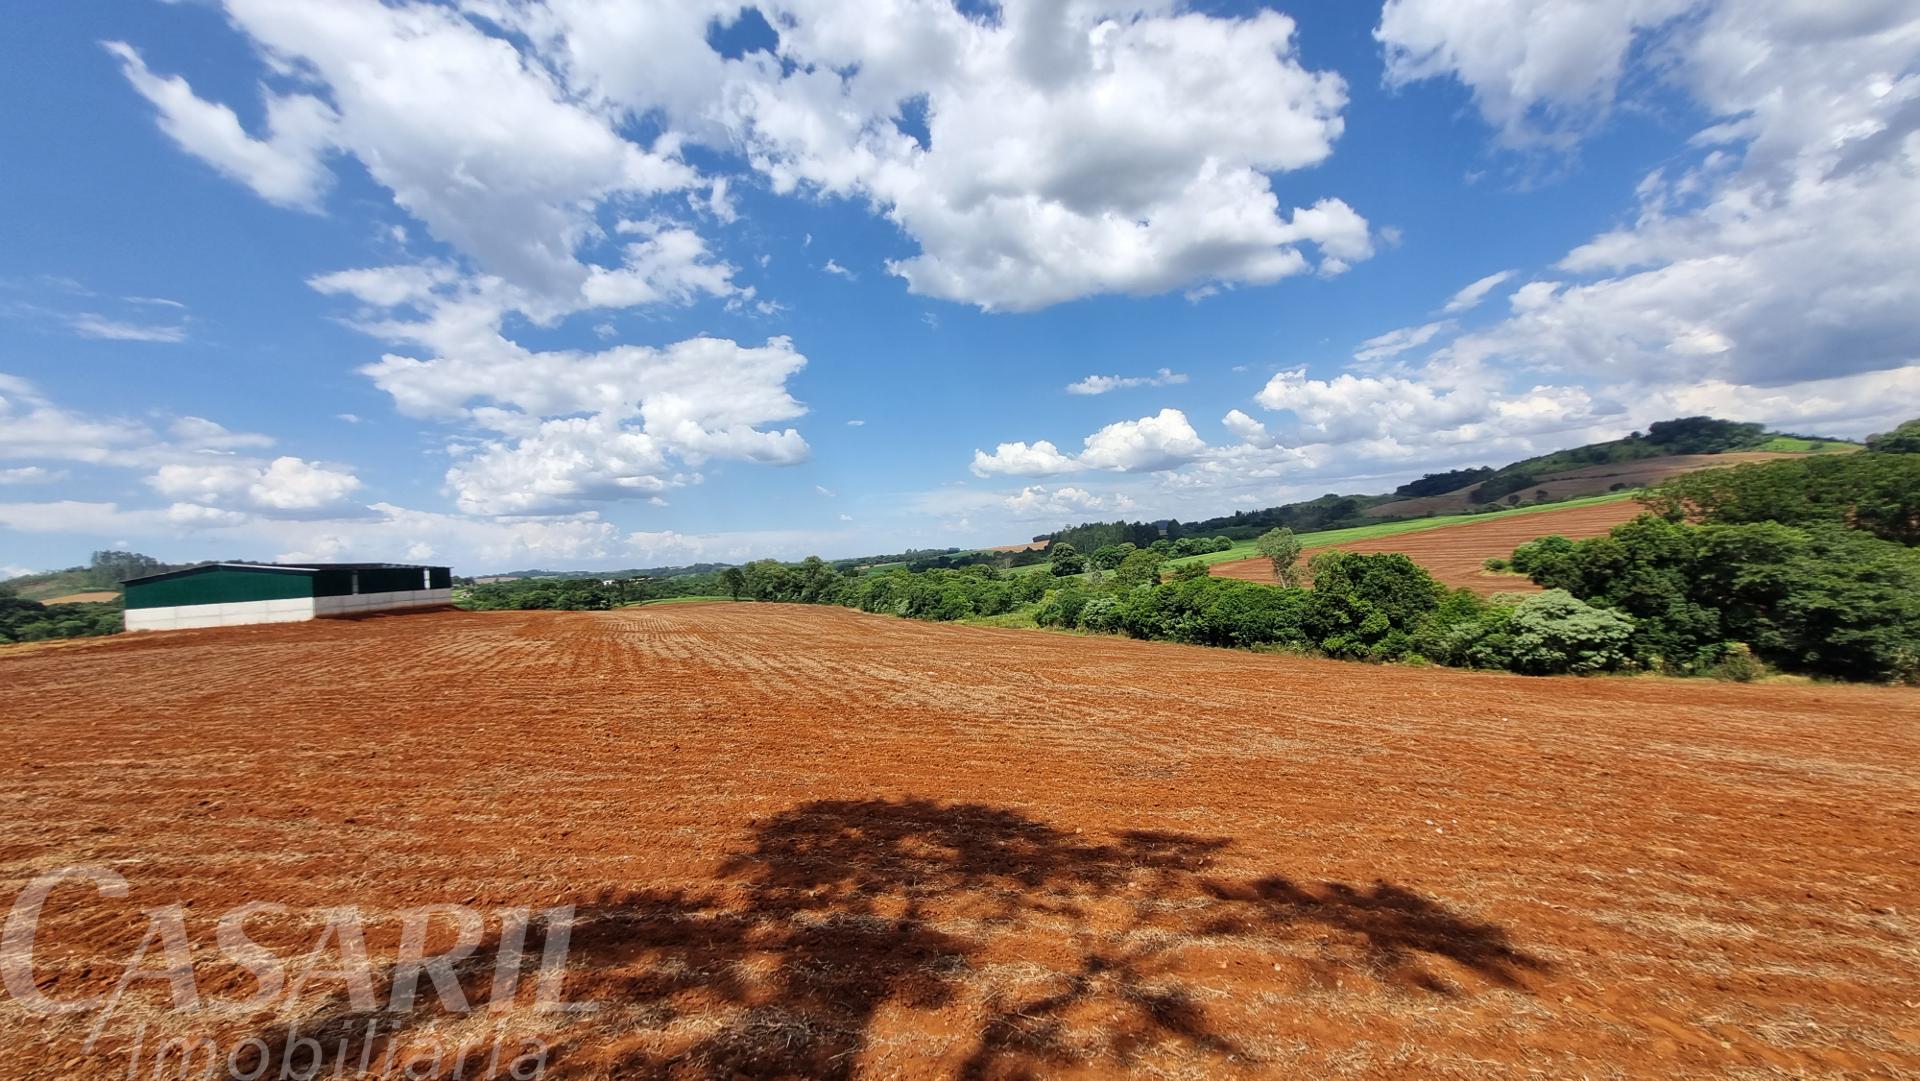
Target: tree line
x=22, y=620
x=592, y=594
x=1803, y=566
x=1330, y=511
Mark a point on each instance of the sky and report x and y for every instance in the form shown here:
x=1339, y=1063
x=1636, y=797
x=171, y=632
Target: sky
x=587, y=284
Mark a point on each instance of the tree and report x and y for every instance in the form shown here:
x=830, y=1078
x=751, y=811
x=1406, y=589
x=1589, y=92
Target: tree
x=1282, y=549
x=735, y=581
x=109, y=568
x=814, y=580
x=1368, y=604
x=1108, y=556
x=1066, y=559
x=1703, y=435
x=1442, y=483
x=1140, y=568
x=1902, y=440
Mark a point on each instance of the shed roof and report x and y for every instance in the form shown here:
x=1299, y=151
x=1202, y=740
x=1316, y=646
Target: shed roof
x=281, y=568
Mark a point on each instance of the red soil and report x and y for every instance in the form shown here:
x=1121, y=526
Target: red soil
x=807, y=841
x=1456, y=554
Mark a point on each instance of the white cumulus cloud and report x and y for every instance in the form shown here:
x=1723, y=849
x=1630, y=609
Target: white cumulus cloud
x=286, y=483
x=1054, y=152
x=1150, y=444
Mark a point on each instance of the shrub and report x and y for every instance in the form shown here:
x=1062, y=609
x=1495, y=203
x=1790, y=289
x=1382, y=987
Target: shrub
x=1101, y=614
x=1215, y=612
x=1738, y=665
x=1367, y=605
x=1464, y=631
x=1066, y=560
x=1554, y=632
x=1139, y=568
x=1062, y=607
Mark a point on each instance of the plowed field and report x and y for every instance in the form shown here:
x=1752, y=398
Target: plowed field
x=811, y=842
x=1456, y=554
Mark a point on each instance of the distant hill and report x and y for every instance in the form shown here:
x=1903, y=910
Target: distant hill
x=102, y=574
x=636, y=572
x=1666, y=449
x=1571, y=483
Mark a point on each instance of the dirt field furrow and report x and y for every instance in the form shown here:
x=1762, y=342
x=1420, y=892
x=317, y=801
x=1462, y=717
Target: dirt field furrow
x=812, y=842
x=1456, y=555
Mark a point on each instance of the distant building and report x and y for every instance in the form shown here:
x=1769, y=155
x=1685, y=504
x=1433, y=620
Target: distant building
x=233, y=594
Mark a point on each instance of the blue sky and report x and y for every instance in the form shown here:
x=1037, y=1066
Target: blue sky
x=583, y=284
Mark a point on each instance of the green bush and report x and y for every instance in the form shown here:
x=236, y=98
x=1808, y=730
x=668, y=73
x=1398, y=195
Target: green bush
x=1101, y=613
x=1139, y=568
x=1738, y=665
x=1464, y=631
x=1062, y=607
x=1215, y=612
x=1820, y=599
x=1366, y=606
x=1554, y=633
x=1066, y=559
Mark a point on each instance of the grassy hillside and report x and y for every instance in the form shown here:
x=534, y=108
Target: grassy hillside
x=1686, y=435
x=104, y=572
x=1799, y=444
x=42, y=587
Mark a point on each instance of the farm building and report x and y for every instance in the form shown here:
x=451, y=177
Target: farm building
x=232, y=594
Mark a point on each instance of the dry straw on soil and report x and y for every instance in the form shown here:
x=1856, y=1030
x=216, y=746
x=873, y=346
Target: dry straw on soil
x=806, y=841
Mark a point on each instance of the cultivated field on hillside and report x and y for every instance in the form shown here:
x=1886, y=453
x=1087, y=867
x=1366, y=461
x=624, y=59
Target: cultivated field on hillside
x=97, y=596
x=806, y=841
x=1587, y=480
x=1455, y=554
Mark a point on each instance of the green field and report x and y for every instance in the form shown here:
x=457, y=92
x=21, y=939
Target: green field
x=1793, y=444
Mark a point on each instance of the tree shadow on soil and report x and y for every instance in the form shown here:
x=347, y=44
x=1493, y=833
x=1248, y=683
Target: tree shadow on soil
x=842, y=911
